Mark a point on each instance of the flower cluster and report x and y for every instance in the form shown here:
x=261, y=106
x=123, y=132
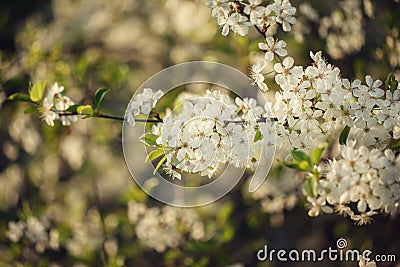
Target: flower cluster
x=315, y=105
x=368, y=177
x=87, y=235
x=166, y=227
x=142, y=103
x=211, y=131
x=238, y=16
x=36, y=232
x=343, y=29
x=274, y=48
x=305, y=108
x=53, y=103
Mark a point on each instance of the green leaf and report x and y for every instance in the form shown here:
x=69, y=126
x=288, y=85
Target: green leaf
x=228, y=234
x=99, y=97
x=298, y=165
x=20, y=97
x=159, y=164
x=85, y=110
x=291, y=164
x=303, y=159
x=149, y=139
x=316, y=154
x=224, y=213
x=155, y=154
x=36, y=92
x=258, y=136
x=300, y=156
x=343, y=135
x=391, y=83
x=73, y=108
x=396, y=144
x=30, y=110
x=310, y=187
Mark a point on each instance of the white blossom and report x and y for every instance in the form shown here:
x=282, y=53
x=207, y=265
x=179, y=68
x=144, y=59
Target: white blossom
x=236, y=22
x=167, y=227
x=211, y=131
x=273, y=47
x=363, y=176
x=35, y=231
x=257, y=73
x=287, y=72
x=366, y=263
x=239, y=16
x=254, y=10
x=15, y=230
x=281, y=11
x=343, y=29
x=142, y=103
x=53, y=103
x=217, y=6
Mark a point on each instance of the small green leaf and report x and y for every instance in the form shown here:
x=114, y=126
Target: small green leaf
x=298, y=165
x=228, y=234
x=396, y=144
x=303, y=159
x=310, y=186
x=149, y=139
x=30, y=110
x=85, y=110
x=73, y=108
x=155, y=154
x=20, y=97
x=291, y=164
x=99, y=97
x=316, y=154
x=36, y=92
x=391, y=83
x=159, y=164
x=343, y=135
x=258, y=136
x=224, y=213
x=300, y=155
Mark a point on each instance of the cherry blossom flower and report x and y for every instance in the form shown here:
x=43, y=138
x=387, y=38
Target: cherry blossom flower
x=273, y=47
x=53, y=103
x=142, y=103
x=282, y=12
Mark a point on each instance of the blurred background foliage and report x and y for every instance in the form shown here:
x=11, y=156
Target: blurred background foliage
x=69, y=187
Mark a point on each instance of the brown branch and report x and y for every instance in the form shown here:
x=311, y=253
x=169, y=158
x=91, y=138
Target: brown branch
x=158, y=120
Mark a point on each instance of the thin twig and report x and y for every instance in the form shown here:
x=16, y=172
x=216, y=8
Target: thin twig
x=261, y=119
x=261, y=32
x=106, y=116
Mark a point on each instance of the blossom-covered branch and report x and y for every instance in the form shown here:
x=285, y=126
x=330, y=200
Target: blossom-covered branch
x=314, y=106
